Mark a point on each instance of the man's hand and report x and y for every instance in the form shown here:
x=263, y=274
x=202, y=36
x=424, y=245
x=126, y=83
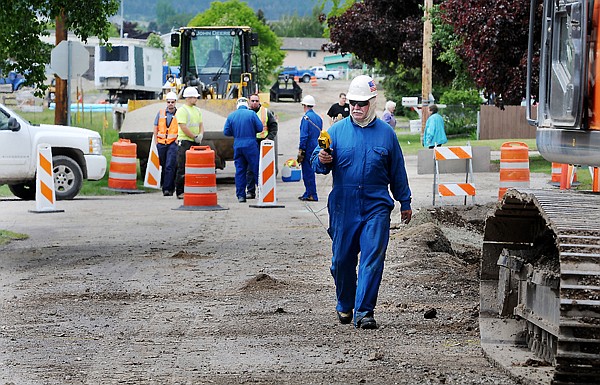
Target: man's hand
x=198, y=138
x=325, y=157
x=405, y=216
x=301, y=154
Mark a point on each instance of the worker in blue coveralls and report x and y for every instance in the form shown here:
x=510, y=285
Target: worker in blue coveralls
x=435, y=134
x=365, y=159
x=243, y=124
x=310, y=129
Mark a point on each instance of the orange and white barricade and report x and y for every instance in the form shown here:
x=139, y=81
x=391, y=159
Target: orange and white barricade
x=45, y=196
x=453, y=153
x=514, y=167
x=200, y=183
x=267, y=195
x=153, y=169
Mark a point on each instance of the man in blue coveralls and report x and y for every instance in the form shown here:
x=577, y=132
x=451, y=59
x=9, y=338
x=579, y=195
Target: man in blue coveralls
x=310, y=129
x=365, y=159
x=243, y=124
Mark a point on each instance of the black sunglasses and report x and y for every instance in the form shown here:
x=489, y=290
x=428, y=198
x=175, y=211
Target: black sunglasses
x=360, y=104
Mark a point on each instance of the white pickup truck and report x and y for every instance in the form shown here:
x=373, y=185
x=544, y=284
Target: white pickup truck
x=323, y=73
x=76, y=155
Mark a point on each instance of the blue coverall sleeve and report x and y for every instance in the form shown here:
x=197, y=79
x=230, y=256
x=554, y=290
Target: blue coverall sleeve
x=227, y=130
x=303, y=134
x=316, y=165
x=399, y=179
x=156, y=119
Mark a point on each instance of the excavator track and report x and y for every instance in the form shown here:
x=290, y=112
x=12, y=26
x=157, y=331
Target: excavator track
x=540, y=287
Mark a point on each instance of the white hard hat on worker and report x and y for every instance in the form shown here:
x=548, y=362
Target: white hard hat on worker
x=362, y=88
x=242, y=102
x=308, y=100
x=171, y=96
x=190, y=92
x=362, y=96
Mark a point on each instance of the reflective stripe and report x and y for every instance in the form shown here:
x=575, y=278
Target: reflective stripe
x=515, y=165
x=200, y=190
x=456, y=152
x=200, y=170
x=119, y=159
x=119, y=175
x=514, y=184
x=456, y=189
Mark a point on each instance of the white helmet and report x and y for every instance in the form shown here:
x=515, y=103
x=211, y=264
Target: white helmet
x=190, y=92
x=362, y=88
x=242, y=102
x=171, y=96
x=308, y=101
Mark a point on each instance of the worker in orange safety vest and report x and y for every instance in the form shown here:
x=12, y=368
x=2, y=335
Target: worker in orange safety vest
x=165, y=132
x=269, y=122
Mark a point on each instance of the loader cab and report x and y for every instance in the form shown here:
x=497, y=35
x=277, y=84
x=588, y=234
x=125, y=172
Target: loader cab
x=217, y=60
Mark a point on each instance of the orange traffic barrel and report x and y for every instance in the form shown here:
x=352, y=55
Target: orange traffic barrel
x=123, y=166
x=313, y=81
x=200, y=183
x=555, y=174
x=514, y=167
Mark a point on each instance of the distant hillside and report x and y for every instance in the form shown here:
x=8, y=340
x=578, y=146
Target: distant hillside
x=137, y=10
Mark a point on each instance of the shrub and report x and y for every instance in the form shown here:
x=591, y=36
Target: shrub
x=460, y=114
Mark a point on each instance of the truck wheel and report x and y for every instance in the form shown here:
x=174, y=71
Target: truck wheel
x=25, y=191
x=329, y=77
x=306, y=79
x=68, y=177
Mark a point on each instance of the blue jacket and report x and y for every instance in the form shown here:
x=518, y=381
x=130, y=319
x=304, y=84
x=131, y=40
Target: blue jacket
x=434, y=131
x=309, y=134
x=243, y=124
x=366, y=160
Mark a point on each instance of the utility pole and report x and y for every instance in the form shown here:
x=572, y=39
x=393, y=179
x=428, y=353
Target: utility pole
x=427, y=64
x=60, y=90
x=122, y=19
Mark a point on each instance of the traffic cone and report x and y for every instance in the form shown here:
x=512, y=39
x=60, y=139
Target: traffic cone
x=45, y=197
x=152, y=178
x=267, y=197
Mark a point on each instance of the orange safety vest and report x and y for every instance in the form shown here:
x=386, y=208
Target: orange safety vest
x=262, y=114
x=166, y=135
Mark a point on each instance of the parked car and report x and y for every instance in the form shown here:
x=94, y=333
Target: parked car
x=303, y=75
x=16, y=80
x=323, y=73
x=76, y=155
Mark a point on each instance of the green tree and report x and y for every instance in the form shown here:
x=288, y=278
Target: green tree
x=296, y=26
x=235, y=12
x=155, y=41
x=23, y=22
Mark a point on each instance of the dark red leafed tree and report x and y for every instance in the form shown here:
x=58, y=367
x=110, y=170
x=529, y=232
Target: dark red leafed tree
x=389, y=31
x=494, y=43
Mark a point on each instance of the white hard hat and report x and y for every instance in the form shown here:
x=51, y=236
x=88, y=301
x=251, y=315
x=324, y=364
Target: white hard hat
x=171, y=96
x=190, y=92
x=362, y=88
x=242, y=102
x=308, y=101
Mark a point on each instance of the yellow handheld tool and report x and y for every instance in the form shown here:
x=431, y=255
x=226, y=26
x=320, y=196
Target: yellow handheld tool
x=325, y=141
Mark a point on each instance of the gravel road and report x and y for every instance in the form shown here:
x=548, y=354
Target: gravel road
x=126, y=290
